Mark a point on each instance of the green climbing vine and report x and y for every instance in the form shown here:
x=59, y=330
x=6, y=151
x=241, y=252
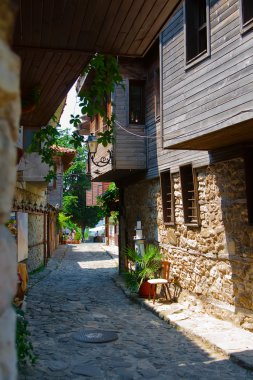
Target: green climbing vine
x=104, y=71
x=108, y=203
x=44, y=142
x=24, y=346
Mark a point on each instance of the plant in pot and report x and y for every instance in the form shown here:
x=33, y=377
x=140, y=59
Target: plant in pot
x=78, y=237
x=142, y=268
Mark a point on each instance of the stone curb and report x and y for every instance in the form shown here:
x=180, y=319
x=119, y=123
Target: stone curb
x=245, y=361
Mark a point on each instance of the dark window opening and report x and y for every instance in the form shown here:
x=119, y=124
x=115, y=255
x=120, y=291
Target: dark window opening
x=28, y=135
x=136, y=102
x=196, y=28
x=189, y=195
x=247, y=11
x=167, y=197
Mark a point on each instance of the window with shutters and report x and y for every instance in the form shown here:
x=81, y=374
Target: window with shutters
x=167, y=197
x=197, y=30
x=246, y=15
x=190, y=195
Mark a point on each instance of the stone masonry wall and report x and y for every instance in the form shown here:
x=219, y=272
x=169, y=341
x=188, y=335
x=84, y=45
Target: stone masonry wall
x=9, y=119
x=33, y=195
x=214, y=262
x=35, y=238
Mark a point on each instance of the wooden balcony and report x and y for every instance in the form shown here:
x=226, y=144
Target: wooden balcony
x=128, y=155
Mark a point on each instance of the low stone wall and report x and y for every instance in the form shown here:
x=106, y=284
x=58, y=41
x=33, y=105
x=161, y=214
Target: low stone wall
x=36, y=241
x=31, y=195
x=214, y=262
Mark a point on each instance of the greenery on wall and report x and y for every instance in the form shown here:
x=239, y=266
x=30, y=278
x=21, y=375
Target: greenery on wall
x=92, y=102
x=24, y=346
x=104, y=70
x=44, y=141
x=108, y=202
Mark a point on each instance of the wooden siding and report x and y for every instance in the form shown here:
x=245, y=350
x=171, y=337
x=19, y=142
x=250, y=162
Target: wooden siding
x=89, y=201
x=55, y=188
x=97, y=188
x=158, y=158
x=128, y=153
x=217, y=92
x=129, y=150
x=129, y=146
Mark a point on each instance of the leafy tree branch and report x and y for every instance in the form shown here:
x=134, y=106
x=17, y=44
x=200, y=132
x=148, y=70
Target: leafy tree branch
x=104, y=71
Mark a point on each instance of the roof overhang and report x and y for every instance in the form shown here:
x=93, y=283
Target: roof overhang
x=56, y=40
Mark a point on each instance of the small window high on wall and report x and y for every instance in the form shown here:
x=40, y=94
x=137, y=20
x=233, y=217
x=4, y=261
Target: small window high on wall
x=190, y=195
x=246, y=14
x=167, y=197
x=136, y=102
x=196, y=29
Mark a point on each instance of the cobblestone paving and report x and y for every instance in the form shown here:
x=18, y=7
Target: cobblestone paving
x=77, y=291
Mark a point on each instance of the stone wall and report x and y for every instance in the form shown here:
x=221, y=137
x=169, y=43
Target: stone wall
x=214, y=262
x=9, y=118
x=36, y=241
x=29, y=194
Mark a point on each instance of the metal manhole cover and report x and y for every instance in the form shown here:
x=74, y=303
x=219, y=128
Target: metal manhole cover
x=94, y=336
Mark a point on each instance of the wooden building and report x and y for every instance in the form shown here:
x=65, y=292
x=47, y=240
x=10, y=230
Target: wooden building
x=182, y=153
x=111, y=227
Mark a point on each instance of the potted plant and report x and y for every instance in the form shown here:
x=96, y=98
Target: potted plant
x=78, y=237
x=142, y=268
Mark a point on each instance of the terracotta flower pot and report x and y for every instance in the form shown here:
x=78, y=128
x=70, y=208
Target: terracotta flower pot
x=145, y=290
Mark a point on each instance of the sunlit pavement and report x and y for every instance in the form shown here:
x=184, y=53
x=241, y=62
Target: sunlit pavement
x=76, y=291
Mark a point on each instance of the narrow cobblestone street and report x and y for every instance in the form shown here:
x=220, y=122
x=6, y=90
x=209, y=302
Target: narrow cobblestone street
x=77, y=291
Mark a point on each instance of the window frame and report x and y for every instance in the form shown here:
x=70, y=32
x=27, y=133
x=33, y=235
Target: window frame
x=206, y=53
x=166, y=177
x=141, y=83
x=185, y=189
x=26, y=130
x=248, y=25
